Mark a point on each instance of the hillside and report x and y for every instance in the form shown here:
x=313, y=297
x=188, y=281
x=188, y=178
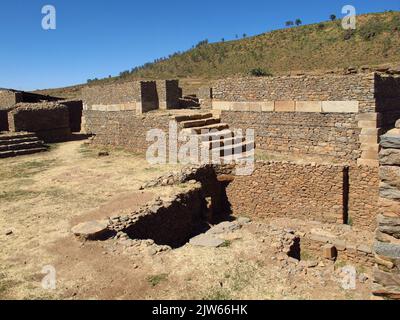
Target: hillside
x=323, y=46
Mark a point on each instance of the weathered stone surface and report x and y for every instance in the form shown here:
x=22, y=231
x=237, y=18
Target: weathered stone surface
x=385, y=237
x=284, y=106
x=308, y=106
x=389, y=192
x=384, y=262
x=389, y=157
x=224, y=227
x=398, y=124
x=329, y=252
x=388, y=250
x=389, y=225
x=243, y=220
x=206, y=240
x=391, y=139
x=390, y=175
x=390, y=208
x=387, y=279
x=340, y=106
x=91, y=230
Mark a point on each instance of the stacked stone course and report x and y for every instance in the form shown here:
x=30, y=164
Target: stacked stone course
x=49, y=120
x=387, y=245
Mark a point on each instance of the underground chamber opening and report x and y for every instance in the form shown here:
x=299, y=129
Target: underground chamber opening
x=191, y=215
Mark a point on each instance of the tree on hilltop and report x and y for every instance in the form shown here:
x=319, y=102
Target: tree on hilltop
x=332, y=17
x=298, y=22
x=289, y=23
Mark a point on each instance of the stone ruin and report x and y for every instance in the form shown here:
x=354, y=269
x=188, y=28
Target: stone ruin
x=29, y=120
x=327, y=161
x=330, y=157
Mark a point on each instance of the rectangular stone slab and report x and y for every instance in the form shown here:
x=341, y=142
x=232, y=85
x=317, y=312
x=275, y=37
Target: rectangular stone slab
x=340, y=106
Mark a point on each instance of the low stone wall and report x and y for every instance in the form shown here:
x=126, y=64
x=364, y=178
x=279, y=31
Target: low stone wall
x=119, y=93
x=333, y=137
x=312, y=192
x=387, y=236
x=49, y=120
x=171, y=221
x=8, y=99
x=123, y=128
x=283, y=189
x=361, y=255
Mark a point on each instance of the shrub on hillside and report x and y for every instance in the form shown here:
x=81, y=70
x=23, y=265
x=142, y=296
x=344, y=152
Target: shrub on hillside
x=348, y=34
x=258, y=72
x=371, y=29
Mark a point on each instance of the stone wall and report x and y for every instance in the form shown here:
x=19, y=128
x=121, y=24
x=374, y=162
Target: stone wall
x=170, y=222
x=8, y=99
x=123, y=128
x=283, y=189
x=312, y=192
x=205, y=95
x=333, y=137
x=363, y=196
x=169, y=94
x=349, y=102
x=358, y=87
x=138, y=96
x=387, y=244
x=125, y=96
x=49, y=120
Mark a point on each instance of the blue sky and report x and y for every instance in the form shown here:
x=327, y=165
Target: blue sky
x=97, y=38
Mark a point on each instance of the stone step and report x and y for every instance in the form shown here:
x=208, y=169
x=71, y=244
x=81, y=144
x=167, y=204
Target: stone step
x=236, y=149
x=218, y=135
x=196, y=116
x=204, y=129
x=18, y=140
x=22, y=146
x=16, y=135
x=15, y=153
x=223, y=142
x=199, y=123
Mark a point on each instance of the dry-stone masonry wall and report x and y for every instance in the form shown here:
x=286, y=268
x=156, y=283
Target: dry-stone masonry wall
x=123, y=128
x=333, y=137
x=49, y=120
x=168, y=93
x=138, y=96
x=284, y=189
x=363, y=103
x=325, y=193
x=171, y=221
x=387, y=245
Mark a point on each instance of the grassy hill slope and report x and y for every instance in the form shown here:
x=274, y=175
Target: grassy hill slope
x=322, y=46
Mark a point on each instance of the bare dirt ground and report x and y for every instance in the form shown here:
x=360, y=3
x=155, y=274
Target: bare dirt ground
x=42, y=196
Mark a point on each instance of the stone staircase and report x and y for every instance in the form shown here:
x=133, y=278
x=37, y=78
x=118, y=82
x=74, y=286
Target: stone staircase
x=19, y=143
x=216, y=137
